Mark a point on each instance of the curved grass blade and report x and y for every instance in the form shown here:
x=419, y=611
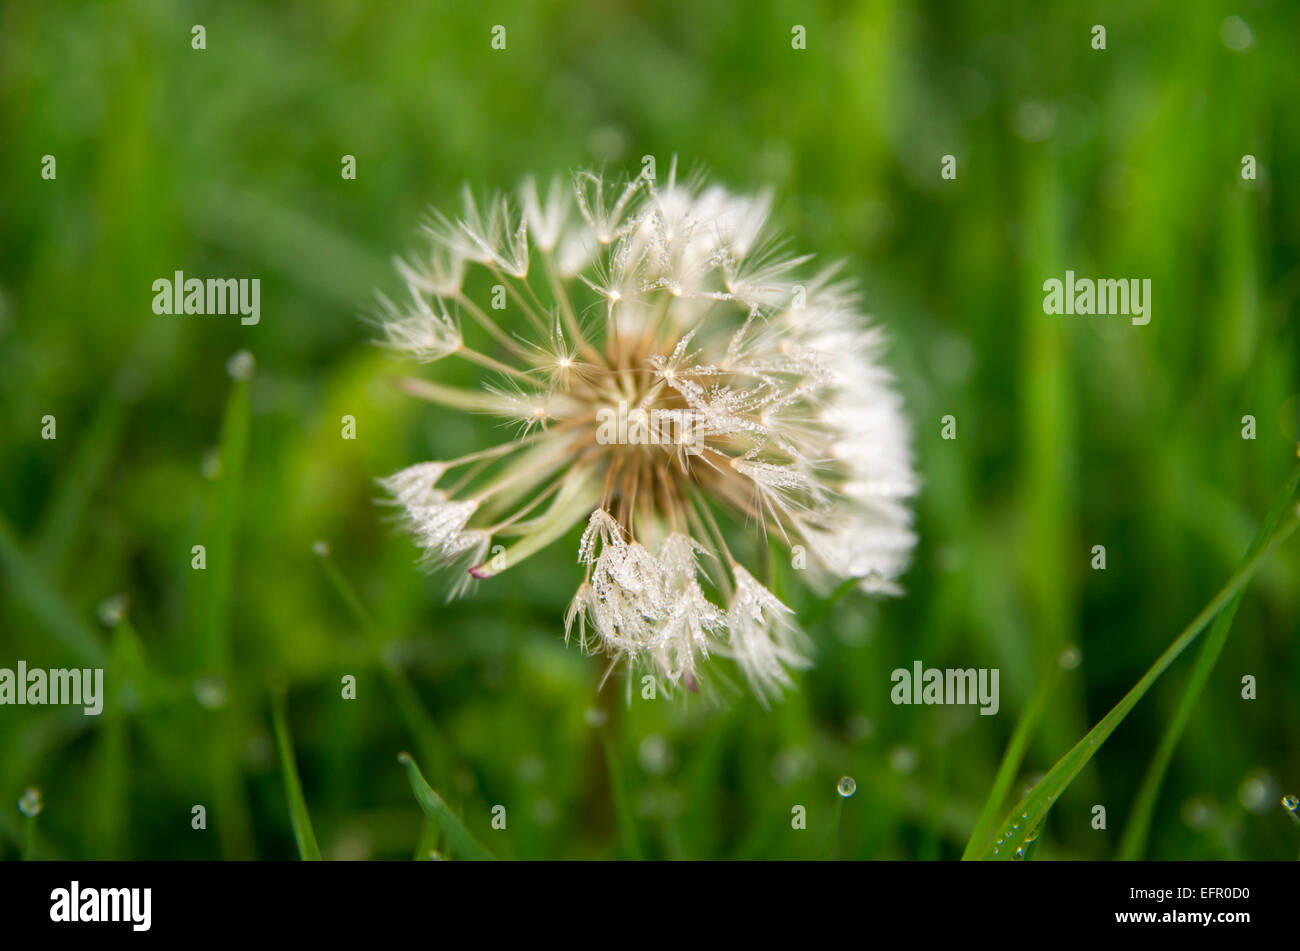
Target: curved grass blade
x=1010, y=765
x=459, y=841
x=298, y=816
x=1133, y=844
x=1031, y=810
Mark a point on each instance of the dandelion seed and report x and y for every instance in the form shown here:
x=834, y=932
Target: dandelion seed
x=774, y=416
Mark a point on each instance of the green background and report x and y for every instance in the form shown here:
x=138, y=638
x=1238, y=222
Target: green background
x=1072, y=432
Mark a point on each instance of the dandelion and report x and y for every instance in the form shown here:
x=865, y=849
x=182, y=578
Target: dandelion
x=770, y=414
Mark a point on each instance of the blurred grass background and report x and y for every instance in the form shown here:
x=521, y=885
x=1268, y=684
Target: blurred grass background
x=1072, y=432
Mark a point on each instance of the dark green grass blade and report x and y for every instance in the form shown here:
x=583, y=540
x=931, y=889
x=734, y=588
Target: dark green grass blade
x=627, y=832
x=26, y=585
x=460, y=842
x=1138, y=830
x=432, y=745
x=212, y=618
x=74, y=489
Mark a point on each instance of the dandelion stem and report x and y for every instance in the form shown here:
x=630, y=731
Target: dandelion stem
x=490, y=325
x=473, y=356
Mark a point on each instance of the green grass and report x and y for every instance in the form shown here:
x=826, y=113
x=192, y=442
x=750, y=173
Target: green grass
x=298, y=814
x=1072, y=432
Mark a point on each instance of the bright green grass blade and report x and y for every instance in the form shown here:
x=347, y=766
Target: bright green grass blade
x=1010, y=764
x=1137, y=832
x=459, y=841
x=1030, y=811
x=26, y=586
x=302, y=832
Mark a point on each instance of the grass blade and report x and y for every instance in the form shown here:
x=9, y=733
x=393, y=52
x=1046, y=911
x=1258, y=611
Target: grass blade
x=213, y=598
x=77, y=484
x=298, y=816
x=433, y=747
x=1010, y=765
x=59, y=618
x=1033, y=808
x=1136, y=833
x=622, y=802
x=459, y=840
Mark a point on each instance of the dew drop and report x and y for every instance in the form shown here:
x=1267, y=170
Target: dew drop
x=847, y=786
x=210, y=692
x=31, y=803
x=241, y=365
x=1292, y=803
x=112, y=610
x=210, y=467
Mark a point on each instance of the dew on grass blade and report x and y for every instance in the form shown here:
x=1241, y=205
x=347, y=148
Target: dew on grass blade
x=1256, y=790
x=210, y=692
x=31, y=803
x=112, y=610
x=903, y=759
x=1070, y=658
x=1291, y=803
x=847, y=786
x=241, y=365
x=210, y=467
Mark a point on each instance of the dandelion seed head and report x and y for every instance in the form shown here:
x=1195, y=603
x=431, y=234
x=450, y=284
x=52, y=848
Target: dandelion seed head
x=683, y=387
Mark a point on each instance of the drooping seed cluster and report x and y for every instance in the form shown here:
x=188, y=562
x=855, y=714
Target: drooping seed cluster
x=681, y=392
